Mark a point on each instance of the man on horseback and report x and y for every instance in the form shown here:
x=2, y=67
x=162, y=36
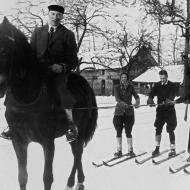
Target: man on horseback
x=56, y=51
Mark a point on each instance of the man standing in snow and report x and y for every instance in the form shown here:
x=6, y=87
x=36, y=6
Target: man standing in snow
x=165, y=113
x=124, y=113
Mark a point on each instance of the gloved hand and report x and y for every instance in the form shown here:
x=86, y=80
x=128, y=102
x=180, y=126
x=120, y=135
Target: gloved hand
x=150, y=102
x=169, y=102
x=65, y=68
x=122, y=104
x=137, y=104
x=56, y=68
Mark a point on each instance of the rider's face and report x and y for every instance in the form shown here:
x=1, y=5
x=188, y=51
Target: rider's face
x=55, y=18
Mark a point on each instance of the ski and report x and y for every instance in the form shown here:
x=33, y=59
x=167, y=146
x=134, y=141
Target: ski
x=182, y=167
x=123, y=160
x=157, y=162
x=107, y=161
x=150, y=157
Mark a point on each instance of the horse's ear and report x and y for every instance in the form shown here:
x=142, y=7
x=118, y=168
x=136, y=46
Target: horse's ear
x=5, y=20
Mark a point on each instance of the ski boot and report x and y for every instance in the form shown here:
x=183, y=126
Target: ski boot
x=172, y=153
x=156, y=152
x=118, y=154
x=131, y=153
x=188, y=159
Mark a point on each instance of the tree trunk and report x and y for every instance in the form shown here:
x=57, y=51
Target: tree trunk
x=186, y=56
x=159, y=43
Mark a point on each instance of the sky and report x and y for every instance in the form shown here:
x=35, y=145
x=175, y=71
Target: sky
x=6, y=5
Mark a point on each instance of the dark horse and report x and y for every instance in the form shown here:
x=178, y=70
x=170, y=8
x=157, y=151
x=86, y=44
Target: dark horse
x=29, y=113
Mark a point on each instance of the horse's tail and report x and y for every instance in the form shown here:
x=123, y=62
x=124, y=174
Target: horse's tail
x=92, y=118
x=86, y=118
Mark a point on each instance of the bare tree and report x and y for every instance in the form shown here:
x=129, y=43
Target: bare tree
x=173, y=12
x=176, y=46
x=123, y=47
x=27, y=14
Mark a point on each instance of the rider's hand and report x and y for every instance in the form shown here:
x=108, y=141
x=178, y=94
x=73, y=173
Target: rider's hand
x=169, y=102
x=65, y=68
x=122, y=104
x=150, y=102
x=56, y=68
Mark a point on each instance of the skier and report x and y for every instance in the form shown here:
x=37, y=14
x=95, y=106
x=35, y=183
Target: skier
x=165, y=92
x=124, y=113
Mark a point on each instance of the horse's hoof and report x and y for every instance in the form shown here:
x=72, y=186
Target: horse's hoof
x=68, y=188
x=79, y=186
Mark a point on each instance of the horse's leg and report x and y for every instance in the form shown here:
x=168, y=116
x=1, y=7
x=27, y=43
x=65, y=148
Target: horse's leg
x=48, y=149
x=77, y=150
x=21, y=153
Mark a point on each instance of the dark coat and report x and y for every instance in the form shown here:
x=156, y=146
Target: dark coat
x=61, y=48
x=184, y=99
x=163, y=92
x=125, y=95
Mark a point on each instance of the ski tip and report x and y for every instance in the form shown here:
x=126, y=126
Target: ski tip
x=137, y=161
x=105, y=164
x=154, y=162
x=186, y=171
x=171, y=170
x=95, y=165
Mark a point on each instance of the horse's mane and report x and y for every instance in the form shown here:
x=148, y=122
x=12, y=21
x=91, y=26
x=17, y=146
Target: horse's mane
x=23, y=55
x=23, y=63
x=25, y=79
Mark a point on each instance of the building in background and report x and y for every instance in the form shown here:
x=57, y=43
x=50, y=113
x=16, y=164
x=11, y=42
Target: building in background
x=103, y=76
x=146, y=80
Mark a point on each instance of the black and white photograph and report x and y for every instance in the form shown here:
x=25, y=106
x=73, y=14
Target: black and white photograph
x=94, y=94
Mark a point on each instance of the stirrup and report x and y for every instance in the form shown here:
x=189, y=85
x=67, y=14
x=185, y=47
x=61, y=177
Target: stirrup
x=71, y=135
x=5, y=135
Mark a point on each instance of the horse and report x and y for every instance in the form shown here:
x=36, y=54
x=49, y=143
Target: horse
x=29, y=112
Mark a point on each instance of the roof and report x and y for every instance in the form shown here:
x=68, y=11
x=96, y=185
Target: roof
x=175, y=74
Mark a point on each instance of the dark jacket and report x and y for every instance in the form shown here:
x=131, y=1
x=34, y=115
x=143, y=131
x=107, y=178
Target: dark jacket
x=184, y=99
x=125, y=95
x=61, y=48
x=163, y=92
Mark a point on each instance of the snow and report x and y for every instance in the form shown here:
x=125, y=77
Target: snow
x=127, y=175
x=175, y=74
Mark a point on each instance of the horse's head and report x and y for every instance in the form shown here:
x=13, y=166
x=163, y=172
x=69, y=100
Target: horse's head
x=6, y=52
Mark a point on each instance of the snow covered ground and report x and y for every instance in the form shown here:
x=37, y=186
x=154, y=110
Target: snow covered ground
x=127, y=175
